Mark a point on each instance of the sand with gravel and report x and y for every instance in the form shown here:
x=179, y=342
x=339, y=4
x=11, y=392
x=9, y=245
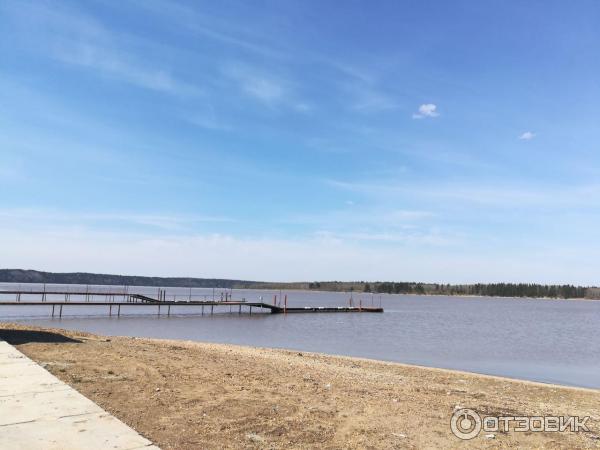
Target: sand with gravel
x=189, y=395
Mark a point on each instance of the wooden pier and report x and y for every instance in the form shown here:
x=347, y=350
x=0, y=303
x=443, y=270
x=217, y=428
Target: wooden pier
x=115, y=301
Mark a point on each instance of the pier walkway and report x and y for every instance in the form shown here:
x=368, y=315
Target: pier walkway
x=115, y=301
x=38, y=411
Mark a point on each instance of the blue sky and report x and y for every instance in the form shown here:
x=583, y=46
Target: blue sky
x=278, y=140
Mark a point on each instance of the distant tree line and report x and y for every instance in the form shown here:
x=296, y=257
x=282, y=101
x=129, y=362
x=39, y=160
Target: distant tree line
x=35, y=276
x=380, y=287
x=399, y=288
x=522, y=290
x=478, y=289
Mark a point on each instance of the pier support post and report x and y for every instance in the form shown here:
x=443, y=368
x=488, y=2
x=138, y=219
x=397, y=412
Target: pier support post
x=240, y=310
x=211, y=309
x=52, y=310
x=60, y=311
x=202, y=309
x=169, y=310
x=109, y=310
x=119, y=311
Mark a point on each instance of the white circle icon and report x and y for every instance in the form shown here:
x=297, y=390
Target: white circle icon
x=465, y=424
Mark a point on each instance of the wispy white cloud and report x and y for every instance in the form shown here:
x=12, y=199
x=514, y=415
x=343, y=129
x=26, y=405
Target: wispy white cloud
x=268, y=89
x=228, y=32
x=367, y=217
x=484, y=193
x=207, y=119
x=426, y=110
x=362, y=93
x=352, y=71
x=121, y=67
x=76, y=39
x=403, y=237
x=303, y=107
x=262, y=88
x=57, y=219
x=315, y=258
x=376, y=225
x=527, y=136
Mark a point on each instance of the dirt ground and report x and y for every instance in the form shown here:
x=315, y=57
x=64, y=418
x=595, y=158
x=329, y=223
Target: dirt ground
x=187, y=395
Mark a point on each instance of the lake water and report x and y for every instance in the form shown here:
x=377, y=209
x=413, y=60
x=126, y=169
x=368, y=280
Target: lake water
x=555, y=341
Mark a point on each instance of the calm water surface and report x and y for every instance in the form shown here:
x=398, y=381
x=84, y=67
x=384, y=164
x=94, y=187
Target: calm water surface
x=556, y=341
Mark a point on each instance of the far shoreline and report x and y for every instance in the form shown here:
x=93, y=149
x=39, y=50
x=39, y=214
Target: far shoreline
x=489, y=289
x=412, y=295
x=275, y=290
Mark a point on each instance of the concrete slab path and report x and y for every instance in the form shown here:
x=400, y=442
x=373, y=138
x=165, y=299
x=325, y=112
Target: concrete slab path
x=38, y=411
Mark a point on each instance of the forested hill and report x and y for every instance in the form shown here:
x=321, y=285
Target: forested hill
x=34, y=276
x=380, y=287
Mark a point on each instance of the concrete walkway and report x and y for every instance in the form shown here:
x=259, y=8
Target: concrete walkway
x=38, y=411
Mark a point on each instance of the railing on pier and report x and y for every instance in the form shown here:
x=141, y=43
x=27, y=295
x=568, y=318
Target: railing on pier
x=129, y=299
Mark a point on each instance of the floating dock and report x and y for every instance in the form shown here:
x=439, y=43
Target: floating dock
x=118, y=303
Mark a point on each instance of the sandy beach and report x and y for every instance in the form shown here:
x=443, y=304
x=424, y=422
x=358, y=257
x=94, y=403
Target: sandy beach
x=189, y=395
